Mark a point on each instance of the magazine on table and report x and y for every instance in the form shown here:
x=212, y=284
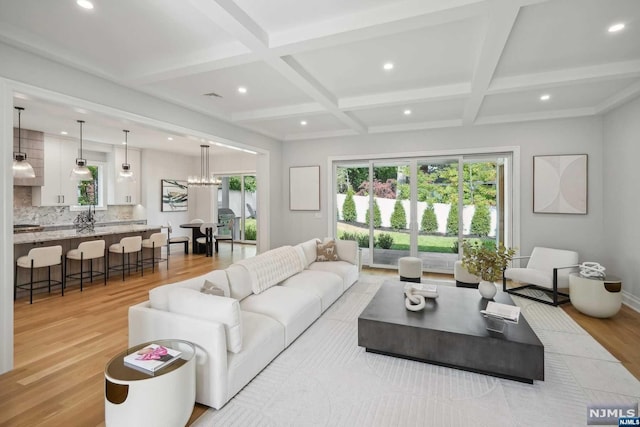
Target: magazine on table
x=510, y=313
x=151, y=358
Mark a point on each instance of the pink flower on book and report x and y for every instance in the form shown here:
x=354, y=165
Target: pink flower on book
x=152, y=353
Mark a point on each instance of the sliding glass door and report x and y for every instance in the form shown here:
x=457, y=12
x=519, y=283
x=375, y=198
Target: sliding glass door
x=237, y=195
x=423, y=207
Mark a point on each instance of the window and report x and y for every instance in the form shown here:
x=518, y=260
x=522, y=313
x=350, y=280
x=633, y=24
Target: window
x=92, y=192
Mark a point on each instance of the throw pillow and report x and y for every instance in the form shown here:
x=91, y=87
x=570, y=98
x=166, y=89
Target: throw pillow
x=211, y=289
x=326, y=251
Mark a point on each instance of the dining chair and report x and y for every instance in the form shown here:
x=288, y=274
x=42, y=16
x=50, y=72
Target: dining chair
x=210, y=231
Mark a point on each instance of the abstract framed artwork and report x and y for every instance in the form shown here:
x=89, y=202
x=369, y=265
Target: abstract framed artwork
x=304, y=188
x=560, y=184
x=175, y=195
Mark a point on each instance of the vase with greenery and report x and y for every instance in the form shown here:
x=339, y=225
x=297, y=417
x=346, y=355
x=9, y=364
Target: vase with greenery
x=487, y=263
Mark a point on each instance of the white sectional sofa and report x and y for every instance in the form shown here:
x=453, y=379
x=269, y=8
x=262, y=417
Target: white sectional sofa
x=269, y=300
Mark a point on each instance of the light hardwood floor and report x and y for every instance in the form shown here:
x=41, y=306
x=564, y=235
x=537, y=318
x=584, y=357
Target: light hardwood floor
x=63, y=343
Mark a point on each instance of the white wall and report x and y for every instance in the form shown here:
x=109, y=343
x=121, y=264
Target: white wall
x=621, y=239
x=570, y=136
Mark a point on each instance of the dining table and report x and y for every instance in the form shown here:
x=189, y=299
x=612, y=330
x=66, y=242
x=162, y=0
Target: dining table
x=195, y=234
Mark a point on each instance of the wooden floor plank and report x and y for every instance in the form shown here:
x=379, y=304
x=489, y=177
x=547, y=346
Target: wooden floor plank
x=62, y=344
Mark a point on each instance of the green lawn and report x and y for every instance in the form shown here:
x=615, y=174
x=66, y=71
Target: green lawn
x=426, y=243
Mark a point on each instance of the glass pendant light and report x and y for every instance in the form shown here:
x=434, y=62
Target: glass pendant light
x=81, y=172
x=126, y=174
x=205, y=179
x=21, y=168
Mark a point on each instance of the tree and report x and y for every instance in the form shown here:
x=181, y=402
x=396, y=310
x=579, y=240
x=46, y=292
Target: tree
x=429, y=223
x=398, y=217
x=481, y=221
x=377, y=217
x=383, y=190
x=249, y=183
x=349, y=213
x=452, y=219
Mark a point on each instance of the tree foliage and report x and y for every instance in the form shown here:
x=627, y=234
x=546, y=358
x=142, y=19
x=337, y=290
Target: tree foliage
x=383, y=190
x=429, y=223
x=377, y=217
x=398, y=217
x=349, y=213
x=481, y=221
x=249, y=183
x=452, y=219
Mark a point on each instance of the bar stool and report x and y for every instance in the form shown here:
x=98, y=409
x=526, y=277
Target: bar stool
x=89, y=250
x=209, y=230
x=156, y=240
x=39, y=258
x=127, y=246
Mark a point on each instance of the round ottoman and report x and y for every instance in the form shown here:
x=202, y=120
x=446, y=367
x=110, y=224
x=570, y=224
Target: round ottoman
x=464, y=279
x=410, y=269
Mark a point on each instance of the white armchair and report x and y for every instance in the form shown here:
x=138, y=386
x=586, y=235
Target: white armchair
x=547, y=270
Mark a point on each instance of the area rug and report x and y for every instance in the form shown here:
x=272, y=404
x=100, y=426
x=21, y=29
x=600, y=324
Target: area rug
x=325, y=379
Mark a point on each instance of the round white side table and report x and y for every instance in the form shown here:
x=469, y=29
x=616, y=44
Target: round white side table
x=164, y=398
x=595, y=297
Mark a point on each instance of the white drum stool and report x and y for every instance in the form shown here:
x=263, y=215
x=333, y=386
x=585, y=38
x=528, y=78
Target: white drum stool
x=410, y=269
x=464, y=279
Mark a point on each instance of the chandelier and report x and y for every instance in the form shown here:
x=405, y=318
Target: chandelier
x=81, y=172
x=206, y=178
x=21, y=167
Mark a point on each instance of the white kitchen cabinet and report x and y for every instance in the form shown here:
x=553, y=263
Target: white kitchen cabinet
x=58, y=189
x=123, y=192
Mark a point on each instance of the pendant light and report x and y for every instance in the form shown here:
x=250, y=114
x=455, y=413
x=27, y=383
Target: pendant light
x=81, y=172
x=126, y=174
x=21, y=168
x=205, y=179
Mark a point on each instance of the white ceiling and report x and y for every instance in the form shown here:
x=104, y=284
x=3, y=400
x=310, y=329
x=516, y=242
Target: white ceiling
x=456, y=62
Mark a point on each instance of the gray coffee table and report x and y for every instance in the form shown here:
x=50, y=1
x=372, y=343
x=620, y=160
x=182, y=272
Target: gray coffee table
x=451, y=332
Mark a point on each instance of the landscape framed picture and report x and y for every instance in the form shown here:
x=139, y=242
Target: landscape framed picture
x=175, y=195
x=560, y=184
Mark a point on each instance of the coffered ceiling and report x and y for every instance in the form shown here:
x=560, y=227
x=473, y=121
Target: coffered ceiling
x=315, y=68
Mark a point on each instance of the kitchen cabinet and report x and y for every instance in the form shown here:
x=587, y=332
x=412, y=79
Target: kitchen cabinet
x=123, y=192
x=58, y=189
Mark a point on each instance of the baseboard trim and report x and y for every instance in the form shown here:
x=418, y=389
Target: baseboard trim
x=631, y=301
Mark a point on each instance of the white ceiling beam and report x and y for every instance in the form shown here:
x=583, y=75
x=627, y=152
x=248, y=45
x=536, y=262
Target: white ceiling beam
x=287, y=111
x=618, y=99
x=502, y=17
x=563, y=77
x=544, y=115
x=416, y=126
x=397, y=17
x=434, y=93
x=318, y=135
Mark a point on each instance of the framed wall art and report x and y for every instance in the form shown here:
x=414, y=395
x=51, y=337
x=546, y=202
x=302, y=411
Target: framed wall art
x=175, y=195
x=560, y=184
x=304, y=188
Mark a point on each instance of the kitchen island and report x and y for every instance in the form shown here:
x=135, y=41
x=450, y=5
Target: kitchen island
x=70, y=239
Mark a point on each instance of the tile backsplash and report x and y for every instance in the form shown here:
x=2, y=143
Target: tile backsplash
x=24, y=213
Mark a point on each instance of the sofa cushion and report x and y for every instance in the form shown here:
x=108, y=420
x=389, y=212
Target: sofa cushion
x=272, y=267
x=210, y=307
x=347, y=271
x=326, y=251
x=159, y=296
x=239, y=281
x=310, y=251
x=262, y=341
x=293, y=308
x=323, y=284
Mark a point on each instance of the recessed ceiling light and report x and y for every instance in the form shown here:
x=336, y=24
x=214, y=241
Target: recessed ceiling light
x=242, y=89
x=169, y=138
x=407, y=112
x=20, y=96
x=545, y=97
x=124, y=142
x=616, y=27
x=388, y=66
x=86, y=4
x=303, y=123
x=64, y=132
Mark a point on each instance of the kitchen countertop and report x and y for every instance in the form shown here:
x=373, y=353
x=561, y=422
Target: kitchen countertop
x=45, y=236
